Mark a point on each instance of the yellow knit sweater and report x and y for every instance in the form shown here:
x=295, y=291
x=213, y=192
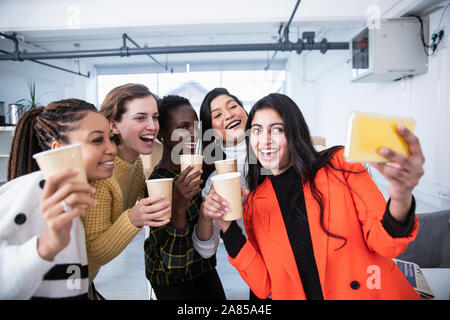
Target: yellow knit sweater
x=107, y=225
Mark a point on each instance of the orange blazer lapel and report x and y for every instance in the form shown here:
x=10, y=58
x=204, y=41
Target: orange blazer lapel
x=273, y=224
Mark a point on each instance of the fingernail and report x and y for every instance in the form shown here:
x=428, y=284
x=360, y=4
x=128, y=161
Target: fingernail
x=75, y=170
x=384, y=151
x=92, y=190
x=401, y=127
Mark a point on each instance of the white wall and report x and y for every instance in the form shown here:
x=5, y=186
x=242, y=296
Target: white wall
x=326, y=96
x=51, y=84
x=83, y=14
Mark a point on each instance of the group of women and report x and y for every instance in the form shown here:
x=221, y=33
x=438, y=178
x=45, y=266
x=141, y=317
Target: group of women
x=314, y=225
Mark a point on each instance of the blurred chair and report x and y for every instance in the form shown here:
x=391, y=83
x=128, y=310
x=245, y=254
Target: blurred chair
x=426, y=249
x=318, y=143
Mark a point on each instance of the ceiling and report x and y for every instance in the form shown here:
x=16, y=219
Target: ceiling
x=100, y=25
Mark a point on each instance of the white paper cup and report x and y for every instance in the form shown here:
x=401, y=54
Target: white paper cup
x=228, y=186
x=56, y=160
x=156, y=187
x=226, y=166
x=196, y=160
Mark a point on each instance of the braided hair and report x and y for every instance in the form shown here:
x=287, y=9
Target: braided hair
x=39, y=127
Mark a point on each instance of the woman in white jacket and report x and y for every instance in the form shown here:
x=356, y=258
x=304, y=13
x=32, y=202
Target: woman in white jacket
x=42, y=243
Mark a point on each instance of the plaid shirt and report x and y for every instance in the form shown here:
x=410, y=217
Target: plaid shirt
x=169, y=254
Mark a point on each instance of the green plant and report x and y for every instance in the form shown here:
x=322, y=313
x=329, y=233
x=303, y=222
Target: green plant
x=31, y=102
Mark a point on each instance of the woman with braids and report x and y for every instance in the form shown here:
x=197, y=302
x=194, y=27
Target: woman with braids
x=132, y=111
x=42, y=243
x=318, y=227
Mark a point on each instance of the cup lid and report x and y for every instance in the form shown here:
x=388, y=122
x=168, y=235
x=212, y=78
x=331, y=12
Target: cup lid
x=226, y=176
x=159, y=180
x=225, y=160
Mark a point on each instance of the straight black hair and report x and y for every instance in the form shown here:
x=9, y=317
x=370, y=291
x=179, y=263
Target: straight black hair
x=205, y=117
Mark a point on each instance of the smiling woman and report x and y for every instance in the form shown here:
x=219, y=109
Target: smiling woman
x=132, y=111
x=42, y=241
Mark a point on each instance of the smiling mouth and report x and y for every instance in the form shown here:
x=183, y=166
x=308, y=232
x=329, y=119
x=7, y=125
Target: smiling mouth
x=107, y=164
x=233, y=124
x=147, y=138
x=268, y=154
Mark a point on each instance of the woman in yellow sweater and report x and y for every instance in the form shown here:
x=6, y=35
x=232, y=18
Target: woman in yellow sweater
x=132, y=111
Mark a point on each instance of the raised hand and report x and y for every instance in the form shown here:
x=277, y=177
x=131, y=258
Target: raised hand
x=214, y=207
x=59, y=207
x=148, y=212
x=403, y=174
x=183, y=192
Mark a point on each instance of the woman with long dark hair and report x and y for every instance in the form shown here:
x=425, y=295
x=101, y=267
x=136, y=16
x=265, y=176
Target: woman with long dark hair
x=223, y=119
x=318, y=227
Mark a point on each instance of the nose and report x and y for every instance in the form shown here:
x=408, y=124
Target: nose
x=265, y=138
x=151, y=125
x=111, y=148
x=227, y=114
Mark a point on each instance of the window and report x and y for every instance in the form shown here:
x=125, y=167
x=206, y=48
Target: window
x=248, y=86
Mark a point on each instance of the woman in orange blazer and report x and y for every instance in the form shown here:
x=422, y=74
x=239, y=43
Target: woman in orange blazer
x=318, y=226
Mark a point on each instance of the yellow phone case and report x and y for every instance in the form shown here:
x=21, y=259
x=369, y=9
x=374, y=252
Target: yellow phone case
x=367, y=133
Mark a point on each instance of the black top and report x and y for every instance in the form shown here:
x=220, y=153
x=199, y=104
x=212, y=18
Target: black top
x=297, y=227
x=289, y=191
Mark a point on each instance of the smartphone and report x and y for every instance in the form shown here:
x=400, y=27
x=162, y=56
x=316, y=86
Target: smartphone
x=367, y=133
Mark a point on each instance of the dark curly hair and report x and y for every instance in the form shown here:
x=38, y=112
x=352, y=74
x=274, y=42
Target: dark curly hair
x=168, y=104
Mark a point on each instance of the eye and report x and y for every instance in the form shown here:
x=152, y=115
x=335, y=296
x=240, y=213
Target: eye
x=277, y=130
x=139, y=118
x=155, y=117
x=256, y=131
x=217, y=115
x=233, y=107
x=98, y=140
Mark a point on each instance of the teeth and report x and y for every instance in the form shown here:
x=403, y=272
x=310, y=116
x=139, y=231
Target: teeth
x=233, y=124
x=268, y=151
x=150, y=137
x=108, y=163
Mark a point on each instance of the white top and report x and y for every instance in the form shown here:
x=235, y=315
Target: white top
x=209, y=247
x=22, y=270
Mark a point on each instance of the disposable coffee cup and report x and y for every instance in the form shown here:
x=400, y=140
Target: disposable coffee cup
x=156, y=187
x=226, y=166
x=56, y=160
x=228, y=186
x=191, y=159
